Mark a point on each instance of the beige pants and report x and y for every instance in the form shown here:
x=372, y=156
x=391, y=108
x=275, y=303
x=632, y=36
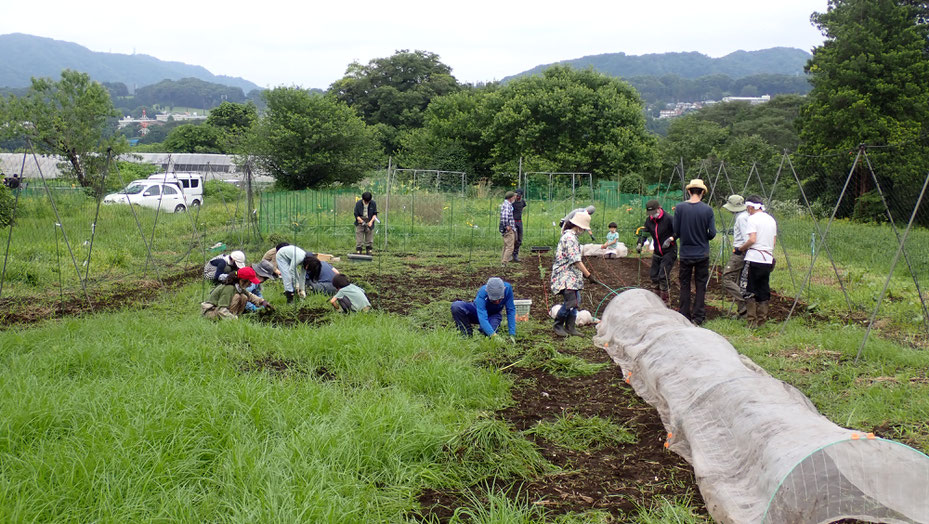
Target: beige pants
x=364, y=236
x=731, y=274
x=509, y=240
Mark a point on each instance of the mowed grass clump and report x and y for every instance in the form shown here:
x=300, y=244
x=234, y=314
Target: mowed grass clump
x=155, y=415
x=580, y=433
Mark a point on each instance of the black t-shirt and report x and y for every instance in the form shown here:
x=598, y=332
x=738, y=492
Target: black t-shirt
x=518, y=209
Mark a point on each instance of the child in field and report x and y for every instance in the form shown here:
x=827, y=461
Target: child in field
x=612, y=242
x=349, y=297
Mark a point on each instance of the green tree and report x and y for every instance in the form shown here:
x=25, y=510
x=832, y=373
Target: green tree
x=396, y=90
x=68, y=118
x=693, y=139
x=194, y=138
x=569, y=120
x=307, y=140
x=233, y=122
x=870, y=86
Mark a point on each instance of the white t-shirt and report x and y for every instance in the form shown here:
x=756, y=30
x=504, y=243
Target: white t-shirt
x=765, y=229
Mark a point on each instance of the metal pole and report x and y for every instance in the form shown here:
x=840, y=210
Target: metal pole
x=893, y=265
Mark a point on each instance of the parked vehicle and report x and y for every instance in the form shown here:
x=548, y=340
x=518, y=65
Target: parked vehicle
x=168, y=197
x=190, y=183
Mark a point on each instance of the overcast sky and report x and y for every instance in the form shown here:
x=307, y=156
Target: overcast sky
x=286, y=42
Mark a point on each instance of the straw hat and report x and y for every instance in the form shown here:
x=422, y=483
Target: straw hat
x=581, y=219
x=735, y=203
x=696, y=183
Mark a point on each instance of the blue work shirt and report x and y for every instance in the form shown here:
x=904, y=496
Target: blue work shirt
x=486, y=307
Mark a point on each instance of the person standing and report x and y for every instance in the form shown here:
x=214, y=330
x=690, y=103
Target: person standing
x=732, y=273
x=658, y=224
x=507, y=226
x=758, y=248
x=365, y=215
x=568, y=273
x=694, y=227
x=518, y=205
x=486, y=309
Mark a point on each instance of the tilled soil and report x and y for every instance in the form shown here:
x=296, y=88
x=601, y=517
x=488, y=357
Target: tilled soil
x=29, y=310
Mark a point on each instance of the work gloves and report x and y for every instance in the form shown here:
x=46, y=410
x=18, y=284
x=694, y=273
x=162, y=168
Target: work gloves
x=593, y=279
x=266, y=304
x=667, y=242
x=638, y=248
x=222, y=277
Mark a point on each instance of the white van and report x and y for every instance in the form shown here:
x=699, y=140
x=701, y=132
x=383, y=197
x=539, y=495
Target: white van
x=150, y=193
x=190, y=183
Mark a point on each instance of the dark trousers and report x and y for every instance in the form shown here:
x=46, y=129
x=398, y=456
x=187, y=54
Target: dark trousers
x=662, y=265
x=465, y=314
x=698, y=270
x=571, y=298
x=519, y=238
x=756, y=281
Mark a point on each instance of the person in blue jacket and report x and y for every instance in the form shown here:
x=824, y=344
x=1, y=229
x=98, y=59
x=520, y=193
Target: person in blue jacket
x=486, y=309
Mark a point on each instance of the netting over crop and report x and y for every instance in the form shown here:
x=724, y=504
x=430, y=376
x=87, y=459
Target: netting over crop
x=760, y=449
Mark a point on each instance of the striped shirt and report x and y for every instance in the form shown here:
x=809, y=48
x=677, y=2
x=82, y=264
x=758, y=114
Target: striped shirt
x=506, y=216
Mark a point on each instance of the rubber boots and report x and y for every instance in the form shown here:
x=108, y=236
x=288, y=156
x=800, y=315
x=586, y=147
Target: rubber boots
x=559, y=327
x=367, y=251
x=358, y=250
x=515, y=257
x=571, y=328
x=290, y=296
x=761, y=313
x=751, y=313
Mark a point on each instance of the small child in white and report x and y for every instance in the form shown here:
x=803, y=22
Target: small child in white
x=612, y=242
x=349, y=297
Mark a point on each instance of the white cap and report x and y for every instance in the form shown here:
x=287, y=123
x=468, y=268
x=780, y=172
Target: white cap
x=238, y=257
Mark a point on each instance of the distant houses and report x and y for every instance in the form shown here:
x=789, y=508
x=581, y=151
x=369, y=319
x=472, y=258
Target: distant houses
x=682, y=108
x=160, y=119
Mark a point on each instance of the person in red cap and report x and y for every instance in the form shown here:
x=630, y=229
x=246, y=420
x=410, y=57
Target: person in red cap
x=228, y=300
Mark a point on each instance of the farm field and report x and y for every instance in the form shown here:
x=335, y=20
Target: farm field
x=305, y=414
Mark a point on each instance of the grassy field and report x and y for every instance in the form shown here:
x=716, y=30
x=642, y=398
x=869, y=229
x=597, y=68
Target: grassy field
x=150, y=413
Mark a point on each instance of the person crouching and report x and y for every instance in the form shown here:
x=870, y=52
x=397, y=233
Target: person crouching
x=486, y=309
x=227, y=300
x=349, y=298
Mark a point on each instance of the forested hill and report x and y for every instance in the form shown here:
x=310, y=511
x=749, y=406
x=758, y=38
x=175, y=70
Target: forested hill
x=776, y=60
x=26, y=56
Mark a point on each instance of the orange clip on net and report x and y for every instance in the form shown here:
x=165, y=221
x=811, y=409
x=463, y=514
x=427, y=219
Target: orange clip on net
x=855, y=436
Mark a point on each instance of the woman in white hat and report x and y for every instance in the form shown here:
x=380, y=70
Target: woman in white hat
x=568, y=272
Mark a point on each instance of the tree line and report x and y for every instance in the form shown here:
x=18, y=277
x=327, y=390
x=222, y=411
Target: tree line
x=869, y=85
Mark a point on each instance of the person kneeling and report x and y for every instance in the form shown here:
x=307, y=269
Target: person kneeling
x=486, y=309
x=349, y=298
x=228, y=300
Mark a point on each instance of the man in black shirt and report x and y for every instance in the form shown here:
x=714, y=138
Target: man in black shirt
x=518, y=206
x=694, y=227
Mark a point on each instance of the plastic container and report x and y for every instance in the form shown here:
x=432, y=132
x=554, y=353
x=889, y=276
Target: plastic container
x=522, y=308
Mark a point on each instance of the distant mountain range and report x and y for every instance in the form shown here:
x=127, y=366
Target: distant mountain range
x=26, y=56
x=776, y=60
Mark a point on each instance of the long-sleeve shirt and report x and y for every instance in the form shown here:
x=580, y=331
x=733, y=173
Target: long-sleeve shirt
x=660, y=228
x=694, y=227
x=220, y=300
x=518, y=207
x=290, y=263
x=506, y=216
x=486, y=307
